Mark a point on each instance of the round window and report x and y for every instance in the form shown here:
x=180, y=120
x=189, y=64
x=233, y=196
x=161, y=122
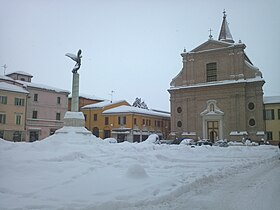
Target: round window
x=179, y=109
x=252, y=122
x=251, y=106
x=179, y=124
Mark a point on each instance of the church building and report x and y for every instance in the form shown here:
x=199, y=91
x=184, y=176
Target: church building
x=218, y=93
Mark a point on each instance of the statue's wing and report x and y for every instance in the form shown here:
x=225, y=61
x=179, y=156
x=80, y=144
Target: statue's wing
x=72, y=56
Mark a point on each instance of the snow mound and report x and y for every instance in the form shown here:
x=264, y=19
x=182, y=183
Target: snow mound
x=136, y=171
x=153, y=138
x=110, y=140
x=187, y=142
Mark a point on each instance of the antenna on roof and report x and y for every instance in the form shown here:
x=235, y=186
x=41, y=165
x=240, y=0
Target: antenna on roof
x=111, y=94
x=5, y=67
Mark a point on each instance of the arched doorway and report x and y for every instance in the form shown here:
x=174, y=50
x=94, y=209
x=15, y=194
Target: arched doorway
x=213, y=130
x=212, y=119
x=95, y=131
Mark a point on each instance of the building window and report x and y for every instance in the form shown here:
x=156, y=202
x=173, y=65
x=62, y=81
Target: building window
x=34, y=115
x=122, y=120
x=269, y=114
x=251, y=106
x=135, y=121
x=95, y=117
x=3, y=99
x=58, y=100
x=35, y=97
x=57, y=117
x=143, y=122
x=179, y=124
x=106, y=120
x=2, y=118
x=279, y=115
x=179, y=109
x=19, y=101
x=211, y=72
x=269, y=135
x=18, y=119
x=252, y=122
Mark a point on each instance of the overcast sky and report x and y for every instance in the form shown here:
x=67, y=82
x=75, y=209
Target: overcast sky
x=131, y=47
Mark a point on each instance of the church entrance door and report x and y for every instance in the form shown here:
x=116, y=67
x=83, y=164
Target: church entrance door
x=212, y=130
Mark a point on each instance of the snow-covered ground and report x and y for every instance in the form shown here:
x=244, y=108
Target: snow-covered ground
x=66, y=171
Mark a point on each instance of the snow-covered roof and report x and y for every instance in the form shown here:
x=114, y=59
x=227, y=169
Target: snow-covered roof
x=271, y=99
x=135, y=110
x=102, y=104
x=87, y=96
x=41, y=86
x=217, y=83
x=20, y=72
x=3, y=77
x=12, y=88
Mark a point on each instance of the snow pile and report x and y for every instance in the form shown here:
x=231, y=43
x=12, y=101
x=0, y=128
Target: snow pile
x=153, y=138
x=74, y=171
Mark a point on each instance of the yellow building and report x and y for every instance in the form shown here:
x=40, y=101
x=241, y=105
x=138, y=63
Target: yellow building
x=272, y=118
x=123, y=122
x=95, y=121
x=12, y=112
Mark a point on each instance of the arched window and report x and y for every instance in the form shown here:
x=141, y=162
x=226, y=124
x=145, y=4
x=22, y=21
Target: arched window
x=211, y=72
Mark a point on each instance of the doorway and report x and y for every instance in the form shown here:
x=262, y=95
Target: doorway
x=212, y=130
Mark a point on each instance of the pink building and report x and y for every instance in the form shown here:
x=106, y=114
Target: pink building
x=46, y=106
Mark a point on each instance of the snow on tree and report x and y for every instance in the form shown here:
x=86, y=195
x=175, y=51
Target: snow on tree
x=139, y=103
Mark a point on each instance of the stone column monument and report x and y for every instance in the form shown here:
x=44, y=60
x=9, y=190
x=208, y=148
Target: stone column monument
x=74, y=121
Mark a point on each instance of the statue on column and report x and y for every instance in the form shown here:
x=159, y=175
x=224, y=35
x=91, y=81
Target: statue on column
x=76, y=58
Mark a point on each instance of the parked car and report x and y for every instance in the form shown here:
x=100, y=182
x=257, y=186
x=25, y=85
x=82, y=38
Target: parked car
x=203, y=142
x=221, y=143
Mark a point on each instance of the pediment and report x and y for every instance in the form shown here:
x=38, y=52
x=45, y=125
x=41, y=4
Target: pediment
x=211, y=45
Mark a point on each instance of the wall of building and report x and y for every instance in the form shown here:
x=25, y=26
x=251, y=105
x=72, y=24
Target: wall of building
x=273, y=125
x=231, y=99
x=47, y=107
x=99, y=123
x=11, y=110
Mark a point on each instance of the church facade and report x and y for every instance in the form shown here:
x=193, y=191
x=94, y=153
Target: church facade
x=218, y=93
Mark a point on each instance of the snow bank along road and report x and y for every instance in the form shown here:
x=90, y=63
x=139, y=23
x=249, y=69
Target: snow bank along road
x=63, y=172
x=254, y=188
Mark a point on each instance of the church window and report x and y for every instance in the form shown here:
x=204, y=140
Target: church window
x=179, y=124
x=179, y=109
x=251, y=106
x=211, y=72
x=252, y=122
